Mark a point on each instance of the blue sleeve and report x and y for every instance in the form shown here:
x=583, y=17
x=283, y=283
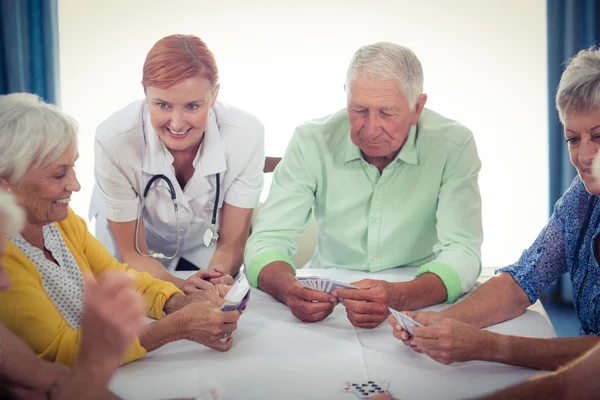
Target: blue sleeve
x=545, y=261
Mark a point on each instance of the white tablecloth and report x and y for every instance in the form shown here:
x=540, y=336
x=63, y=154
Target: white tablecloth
x=275, y=356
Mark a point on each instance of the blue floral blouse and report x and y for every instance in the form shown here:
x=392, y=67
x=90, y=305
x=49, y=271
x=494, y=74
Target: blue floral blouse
x=566, y=244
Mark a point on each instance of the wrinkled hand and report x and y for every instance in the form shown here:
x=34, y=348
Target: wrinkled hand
x=204, y=323
x=367, y=307
x=309, y=305
x=422, y=317
x=213, y=295
x=205, y=279
x=223, y=278
x=449, y=341
x=113, y=314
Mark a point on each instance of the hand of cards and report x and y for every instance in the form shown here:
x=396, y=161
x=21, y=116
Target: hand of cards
x=323, y=285
x=238, y=295
x=407, y=322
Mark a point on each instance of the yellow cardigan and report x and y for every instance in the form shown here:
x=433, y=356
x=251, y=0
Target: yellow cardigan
x=28, y=311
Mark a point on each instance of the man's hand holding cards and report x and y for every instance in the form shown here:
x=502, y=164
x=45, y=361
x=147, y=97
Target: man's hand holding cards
x=368, y=307
x=308, y=305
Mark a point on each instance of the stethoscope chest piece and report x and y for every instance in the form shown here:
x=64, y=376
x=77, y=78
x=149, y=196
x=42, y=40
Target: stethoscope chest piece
x=211, y=236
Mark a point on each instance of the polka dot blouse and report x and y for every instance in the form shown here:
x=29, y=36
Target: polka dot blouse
x=63, y=282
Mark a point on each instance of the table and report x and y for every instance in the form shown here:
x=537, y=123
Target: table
x=275, y=356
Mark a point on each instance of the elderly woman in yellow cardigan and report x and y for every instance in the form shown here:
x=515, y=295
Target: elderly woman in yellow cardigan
x=113, y=314
x=47, y=261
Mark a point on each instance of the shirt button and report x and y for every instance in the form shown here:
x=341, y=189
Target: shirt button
x=373, y=258
x=378, y=188
x=373, y=223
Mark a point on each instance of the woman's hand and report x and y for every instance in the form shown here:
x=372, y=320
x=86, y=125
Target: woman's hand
x=206, y=279
x=203, y=322
x=422, y=317
x=450, y=341
x=213, y=295
x=223, y=278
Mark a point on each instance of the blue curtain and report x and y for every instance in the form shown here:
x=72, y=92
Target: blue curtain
x=572, y=25
x=29, y=48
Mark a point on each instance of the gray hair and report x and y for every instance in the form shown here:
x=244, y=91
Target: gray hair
x=32, y=134
x=579, y=87
x=388, y=61
x=11, y=214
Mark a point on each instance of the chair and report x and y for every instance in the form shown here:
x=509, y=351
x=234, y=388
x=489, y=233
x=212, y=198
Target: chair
x=306, y=242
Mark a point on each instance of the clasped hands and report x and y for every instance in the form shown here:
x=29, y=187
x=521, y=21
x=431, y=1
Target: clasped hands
x=206, y=279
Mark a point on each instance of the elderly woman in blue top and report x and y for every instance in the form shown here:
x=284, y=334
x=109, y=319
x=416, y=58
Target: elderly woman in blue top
x=569, y=243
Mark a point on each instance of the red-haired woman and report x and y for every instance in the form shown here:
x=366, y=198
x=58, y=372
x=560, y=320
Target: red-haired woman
x=178, y=173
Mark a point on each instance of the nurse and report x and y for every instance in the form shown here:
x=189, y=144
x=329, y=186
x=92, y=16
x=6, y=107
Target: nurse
x=178, y=173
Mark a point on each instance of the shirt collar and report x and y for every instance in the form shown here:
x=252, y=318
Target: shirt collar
x=408, y=153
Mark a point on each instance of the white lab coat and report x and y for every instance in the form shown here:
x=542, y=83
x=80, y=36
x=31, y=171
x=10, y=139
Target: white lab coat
x=128, y=152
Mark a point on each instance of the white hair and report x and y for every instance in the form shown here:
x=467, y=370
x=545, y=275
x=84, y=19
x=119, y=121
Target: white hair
x=579, y=87
x=11, y=214
x=32, y=134
x=388, y=61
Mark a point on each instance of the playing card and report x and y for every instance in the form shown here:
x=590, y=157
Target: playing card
x=237, y=297
x=342, y=285
x=323, y=285
x=407, y=322
x=366, y=390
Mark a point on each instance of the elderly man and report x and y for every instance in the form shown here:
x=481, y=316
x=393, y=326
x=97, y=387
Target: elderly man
x=391, y=184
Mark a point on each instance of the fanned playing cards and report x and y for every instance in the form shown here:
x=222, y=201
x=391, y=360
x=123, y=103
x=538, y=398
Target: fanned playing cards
x=407, y=322
x=323, y=284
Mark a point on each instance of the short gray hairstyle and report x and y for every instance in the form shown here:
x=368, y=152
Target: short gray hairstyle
x=32, y=134
x=388, y=61
x=11, y=214
x=579, y=87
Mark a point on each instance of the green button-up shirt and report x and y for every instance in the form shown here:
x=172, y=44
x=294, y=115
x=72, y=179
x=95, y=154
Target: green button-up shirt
x=423, y=210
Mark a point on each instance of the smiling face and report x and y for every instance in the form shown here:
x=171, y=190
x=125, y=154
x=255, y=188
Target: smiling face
x=380, y=117
x=179, y=114
x=45, y=192
x=582, y=131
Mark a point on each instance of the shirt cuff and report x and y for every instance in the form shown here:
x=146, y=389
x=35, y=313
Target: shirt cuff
x=447, y=274
x=241, y=200
x=262, y=260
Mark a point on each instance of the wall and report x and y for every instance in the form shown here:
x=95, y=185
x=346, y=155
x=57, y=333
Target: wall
x=484, y=63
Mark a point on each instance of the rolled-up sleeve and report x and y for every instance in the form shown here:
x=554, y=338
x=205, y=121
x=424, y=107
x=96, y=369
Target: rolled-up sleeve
x=545, y=261
x=459, y=225
x=284, y=215
x=118, y=200
x=245, y=190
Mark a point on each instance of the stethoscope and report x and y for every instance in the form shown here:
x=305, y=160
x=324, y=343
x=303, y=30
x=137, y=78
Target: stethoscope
x=582, y=232
x=211, y=235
